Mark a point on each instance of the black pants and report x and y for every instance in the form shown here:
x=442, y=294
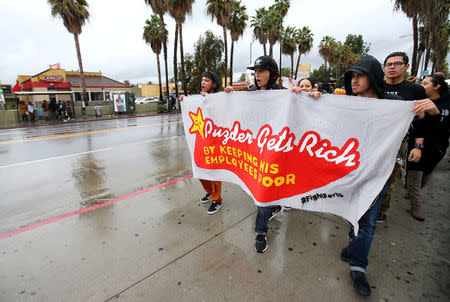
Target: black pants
x=431, y=156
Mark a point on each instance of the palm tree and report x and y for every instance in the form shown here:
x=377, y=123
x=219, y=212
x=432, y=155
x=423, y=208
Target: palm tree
x=159, y=7
x=282, y=7
x=259, y=25
x=326, y=48
x=221, y=10
x=432, y=14
x=178, y=9
x=288, y=44
x=440, y=46
x=274, y=28
x=238, y=22
x=411, y=9
x=74, y=14
x=154, y=36
x=304, y=43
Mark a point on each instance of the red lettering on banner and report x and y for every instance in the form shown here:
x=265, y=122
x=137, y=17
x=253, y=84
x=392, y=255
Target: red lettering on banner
x=272, y=165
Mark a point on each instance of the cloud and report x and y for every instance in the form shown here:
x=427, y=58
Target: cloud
x=111, y=41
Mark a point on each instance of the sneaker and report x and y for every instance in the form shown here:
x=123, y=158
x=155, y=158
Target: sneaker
x=345, y=254
x=360, y=283
x=261, y=243
x=206, y=198
x=214, y=208
x=381, y=218
x=275, y=211
x=287, y=208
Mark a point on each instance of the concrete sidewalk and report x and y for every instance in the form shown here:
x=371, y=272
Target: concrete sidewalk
x=162, y=246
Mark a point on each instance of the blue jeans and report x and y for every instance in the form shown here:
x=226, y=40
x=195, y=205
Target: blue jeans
x=359, y=246
x=262, y=220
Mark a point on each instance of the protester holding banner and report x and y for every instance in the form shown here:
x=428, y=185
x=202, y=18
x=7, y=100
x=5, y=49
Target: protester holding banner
x=309, y=85
x=364, y=79
x=266, y=75
x=436, y=122
x=210, y=84
x=395, y=67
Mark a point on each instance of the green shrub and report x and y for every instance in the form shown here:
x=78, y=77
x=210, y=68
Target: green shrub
x=162, y=108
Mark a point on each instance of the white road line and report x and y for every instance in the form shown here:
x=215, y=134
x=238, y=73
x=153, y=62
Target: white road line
x=81, y=153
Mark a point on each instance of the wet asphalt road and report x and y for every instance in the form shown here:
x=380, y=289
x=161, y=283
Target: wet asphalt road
x=162, y=246
x=53, y=170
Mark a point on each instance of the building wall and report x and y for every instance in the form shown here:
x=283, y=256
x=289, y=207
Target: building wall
x=149, y=90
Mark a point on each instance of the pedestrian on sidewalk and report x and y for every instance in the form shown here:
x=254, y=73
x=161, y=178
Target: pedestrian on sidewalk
x=45, y=108
x=31, y=111
x=53, y=106
x=40, y=113
x=23, y=110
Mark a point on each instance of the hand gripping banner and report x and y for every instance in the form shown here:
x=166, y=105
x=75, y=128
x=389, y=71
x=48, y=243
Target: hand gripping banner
x=330, y=155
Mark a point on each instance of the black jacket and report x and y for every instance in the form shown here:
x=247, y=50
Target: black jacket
x=437, y=127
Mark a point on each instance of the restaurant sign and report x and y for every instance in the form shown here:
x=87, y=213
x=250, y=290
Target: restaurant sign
x=51, y=78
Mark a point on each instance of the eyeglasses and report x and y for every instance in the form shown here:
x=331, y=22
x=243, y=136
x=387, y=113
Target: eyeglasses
x=396, y=64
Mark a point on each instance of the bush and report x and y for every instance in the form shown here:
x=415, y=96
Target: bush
x=162, y=108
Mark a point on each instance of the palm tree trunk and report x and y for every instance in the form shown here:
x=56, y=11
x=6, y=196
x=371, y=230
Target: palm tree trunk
x=183, y=74
x=280, y=62
x=226, y=53
x=83, y=82
x=336, y=78
x=175, y=68
x=159, y=78
x=298, y=62
x=415, y=42
x=163, y=27
x=428, y=53
x=292, y=65
x=419, y=56
x=231, y=62
x=270, y=49
x=265, y=50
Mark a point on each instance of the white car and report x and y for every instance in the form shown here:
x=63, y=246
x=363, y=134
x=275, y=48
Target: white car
x=144, y=100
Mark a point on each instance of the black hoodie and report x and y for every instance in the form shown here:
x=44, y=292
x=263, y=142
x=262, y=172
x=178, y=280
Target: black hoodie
x=369, y=66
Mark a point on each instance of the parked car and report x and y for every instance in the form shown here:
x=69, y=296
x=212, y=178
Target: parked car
x=145, y=100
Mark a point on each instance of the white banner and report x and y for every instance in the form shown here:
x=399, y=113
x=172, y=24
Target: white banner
x=330, y=155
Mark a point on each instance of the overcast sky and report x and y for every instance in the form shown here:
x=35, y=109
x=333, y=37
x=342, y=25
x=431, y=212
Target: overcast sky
x=112, y=43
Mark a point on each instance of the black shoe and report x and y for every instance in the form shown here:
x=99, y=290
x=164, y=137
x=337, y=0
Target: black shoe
x=345, y=254
x=214, y=208
x=206, y=198
x=275, y=211
x=381, y=218
x=360, y=283
x=261, y=243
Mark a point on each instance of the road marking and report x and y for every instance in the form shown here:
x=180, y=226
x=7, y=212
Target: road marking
x=100, y=205
x=81, y=153
x=85, y=133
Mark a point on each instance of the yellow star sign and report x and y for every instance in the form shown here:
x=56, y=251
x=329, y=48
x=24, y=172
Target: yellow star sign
x=198, y=124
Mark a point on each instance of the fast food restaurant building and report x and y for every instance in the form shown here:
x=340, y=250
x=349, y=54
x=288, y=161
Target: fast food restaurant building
x=98, y=86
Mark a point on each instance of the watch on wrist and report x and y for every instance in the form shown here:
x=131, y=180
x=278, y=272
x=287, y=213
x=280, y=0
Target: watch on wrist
x=418, y=146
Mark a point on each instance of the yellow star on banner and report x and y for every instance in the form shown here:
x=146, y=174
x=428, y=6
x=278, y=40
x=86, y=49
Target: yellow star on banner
x=198, y=124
